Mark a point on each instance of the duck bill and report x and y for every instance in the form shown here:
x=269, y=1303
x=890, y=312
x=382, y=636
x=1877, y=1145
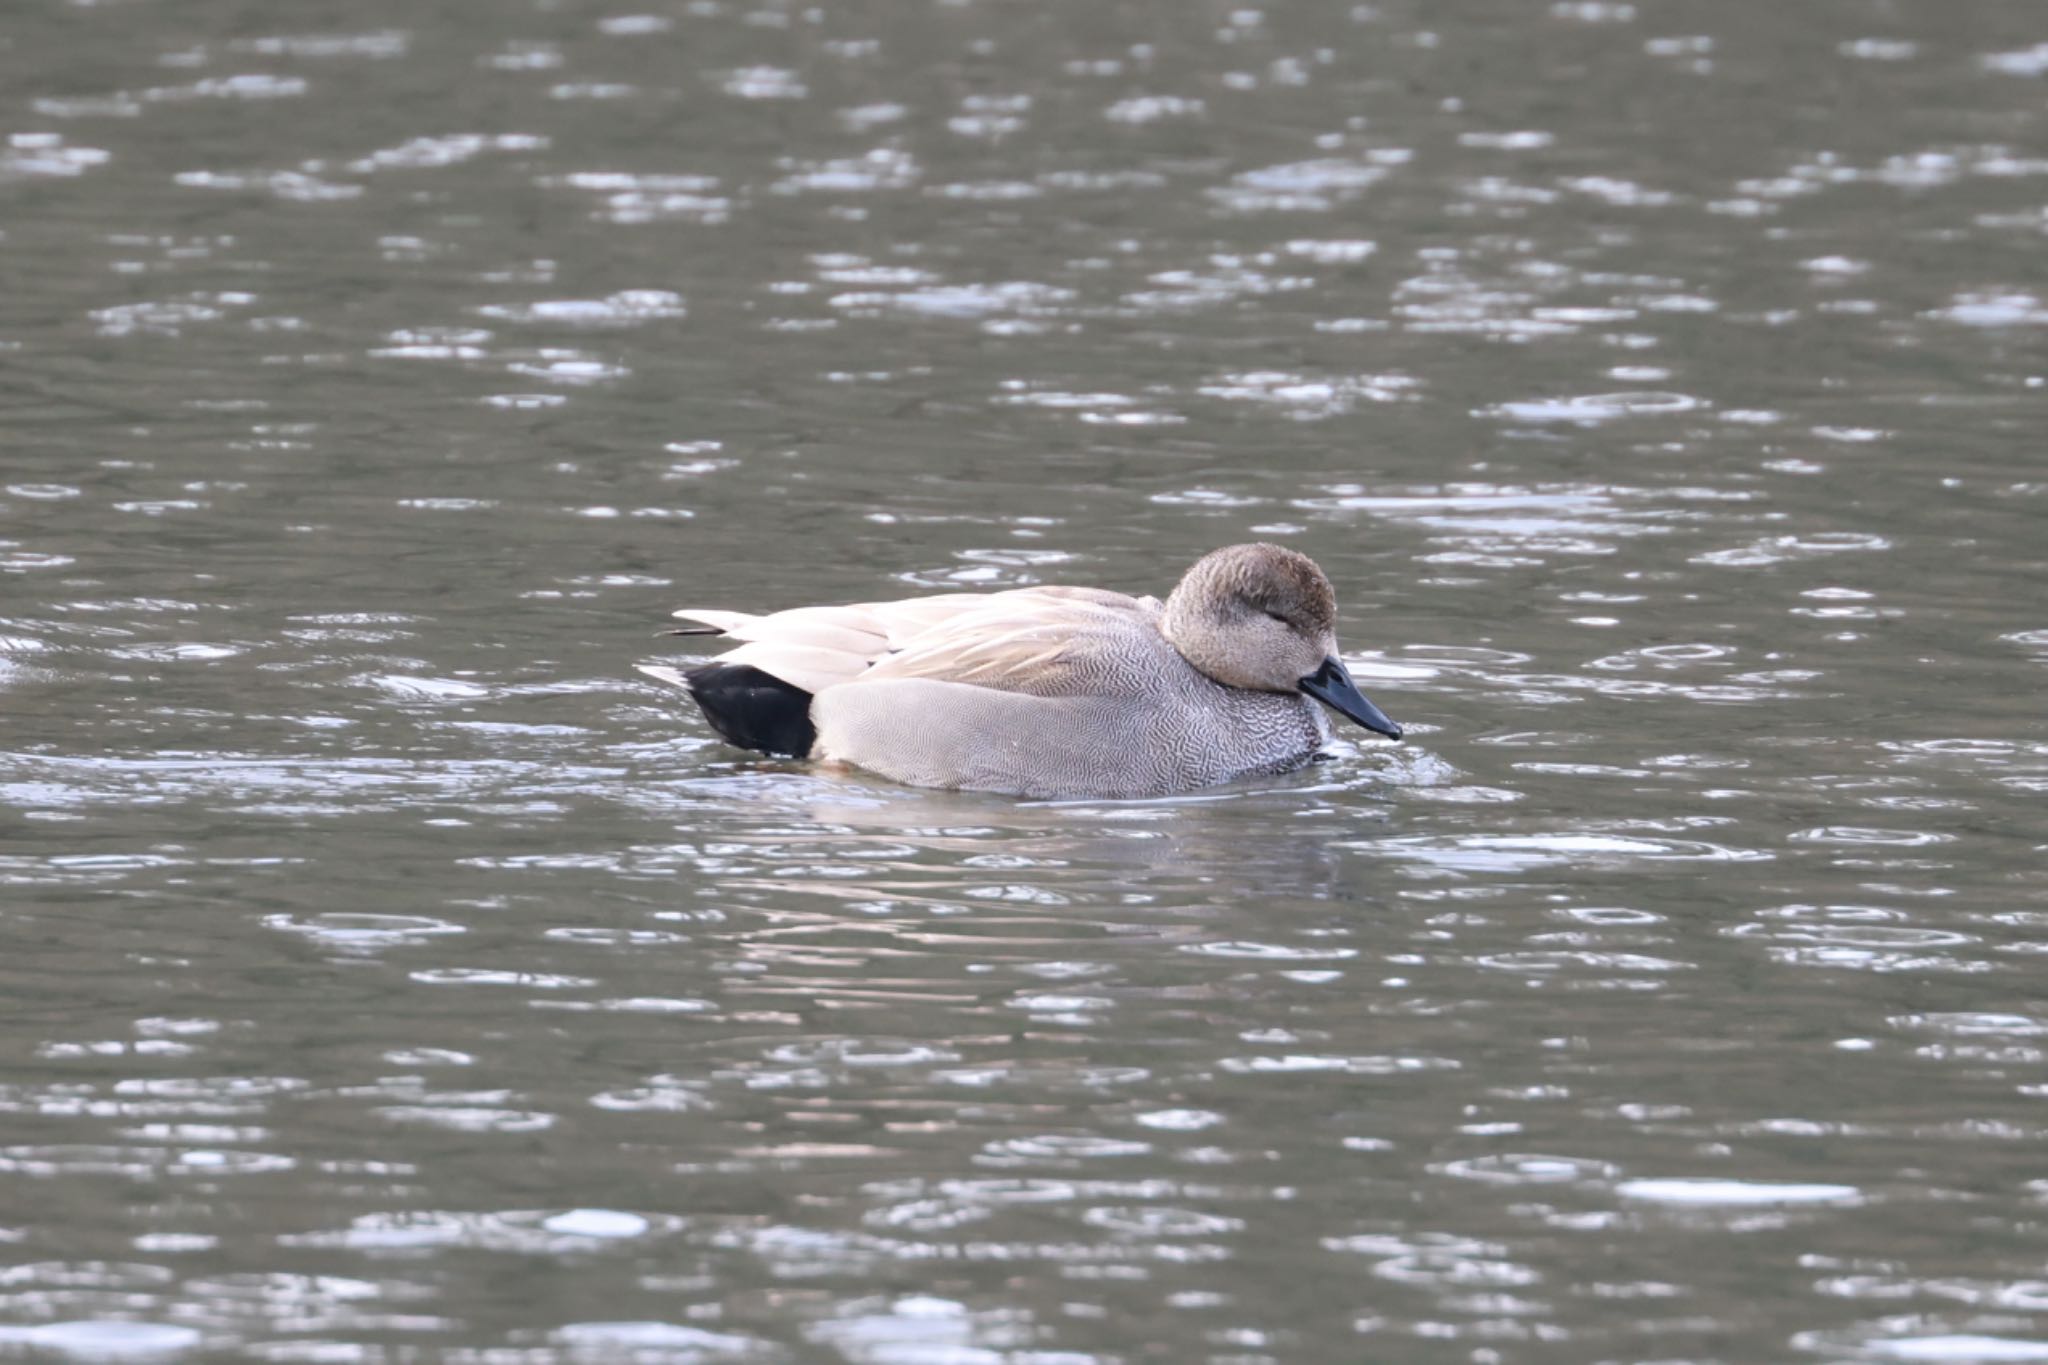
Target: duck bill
x=1332, y=686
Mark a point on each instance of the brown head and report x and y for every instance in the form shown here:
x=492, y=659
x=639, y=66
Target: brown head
x=1264, y=617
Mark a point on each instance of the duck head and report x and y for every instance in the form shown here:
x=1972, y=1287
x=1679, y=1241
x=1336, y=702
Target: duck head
x=1264, y=617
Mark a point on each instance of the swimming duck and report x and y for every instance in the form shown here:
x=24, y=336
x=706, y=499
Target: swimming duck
x=1046, y=692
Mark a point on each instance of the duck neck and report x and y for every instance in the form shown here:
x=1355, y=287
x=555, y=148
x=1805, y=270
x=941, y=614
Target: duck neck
x=1189, y=624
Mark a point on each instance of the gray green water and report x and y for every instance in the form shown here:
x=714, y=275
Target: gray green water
x=387, y=973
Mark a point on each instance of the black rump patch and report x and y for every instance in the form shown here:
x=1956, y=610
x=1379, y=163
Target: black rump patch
x=753, y=709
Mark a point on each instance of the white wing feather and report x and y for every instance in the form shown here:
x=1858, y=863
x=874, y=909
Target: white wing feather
x=1024, y=640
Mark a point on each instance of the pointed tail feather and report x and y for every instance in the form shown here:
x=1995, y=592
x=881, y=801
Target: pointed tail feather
x=712, y=621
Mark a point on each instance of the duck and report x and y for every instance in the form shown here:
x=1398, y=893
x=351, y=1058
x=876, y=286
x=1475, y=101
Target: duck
x=1045, y=692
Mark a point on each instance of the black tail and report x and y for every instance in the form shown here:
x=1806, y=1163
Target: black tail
x=753, y=709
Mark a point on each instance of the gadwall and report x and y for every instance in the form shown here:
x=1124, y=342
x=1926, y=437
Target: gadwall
x=1046, y=692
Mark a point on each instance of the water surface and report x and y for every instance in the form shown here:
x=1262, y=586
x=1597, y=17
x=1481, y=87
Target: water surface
x=391, y=972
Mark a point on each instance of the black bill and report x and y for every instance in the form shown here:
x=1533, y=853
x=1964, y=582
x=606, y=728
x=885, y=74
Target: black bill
x=1332, y=686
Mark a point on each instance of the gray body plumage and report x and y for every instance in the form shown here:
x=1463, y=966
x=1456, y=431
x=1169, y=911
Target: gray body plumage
x=1058, y=691
x=1119, y=713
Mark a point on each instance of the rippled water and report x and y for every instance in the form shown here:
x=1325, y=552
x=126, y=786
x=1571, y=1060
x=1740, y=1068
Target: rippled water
x=389, y=969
